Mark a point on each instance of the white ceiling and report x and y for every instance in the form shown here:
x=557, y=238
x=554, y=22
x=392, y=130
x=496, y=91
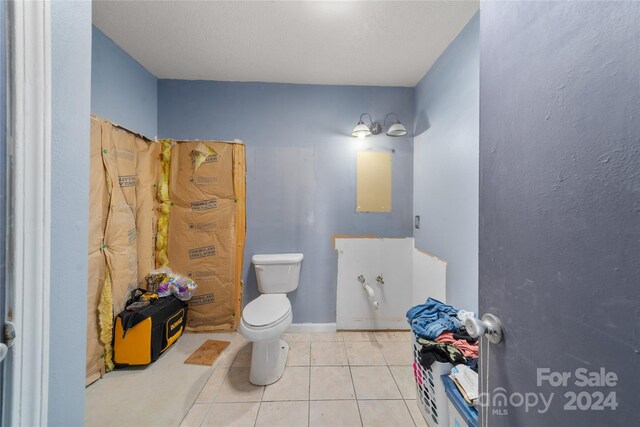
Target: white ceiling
x=379, y=43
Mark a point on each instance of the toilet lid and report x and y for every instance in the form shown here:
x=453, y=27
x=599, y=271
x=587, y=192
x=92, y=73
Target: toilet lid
x=266, y=309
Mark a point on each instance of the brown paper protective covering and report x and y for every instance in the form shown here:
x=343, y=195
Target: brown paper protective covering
x=240, y=190
x=208, y=218
x=202, y=241
x=98, y=210
x=147, y=171
x=212, y=179
x=119, y=154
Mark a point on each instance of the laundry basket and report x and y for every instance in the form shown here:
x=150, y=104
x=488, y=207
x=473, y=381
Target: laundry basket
x=431, y=396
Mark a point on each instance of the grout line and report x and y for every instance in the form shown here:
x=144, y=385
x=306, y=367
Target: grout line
x=402, y=396
x=410, y=413
x=209, y=405
x=255, y=420
x=309, y=402
x=353, y=384
x=394, y=381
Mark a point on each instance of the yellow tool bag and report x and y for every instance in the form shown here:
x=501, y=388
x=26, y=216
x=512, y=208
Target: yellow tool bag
x=147, y=328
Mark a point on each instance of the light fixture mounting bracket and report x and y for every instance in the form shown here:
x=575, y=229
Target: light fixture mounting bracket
x=375, y=128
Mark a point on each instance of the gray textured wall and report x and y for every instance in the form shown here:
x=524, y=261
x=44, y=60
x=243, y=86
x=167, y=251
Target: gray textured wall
x=560, y=199
x=445, y=163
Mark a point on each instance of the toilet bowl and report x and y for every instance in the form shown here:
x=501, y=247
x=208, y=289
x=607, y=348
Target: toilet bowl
x=266, y=318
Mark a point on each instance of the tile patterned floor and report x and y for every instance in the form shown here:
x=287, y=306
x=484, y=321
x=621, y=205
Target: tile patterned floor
x=337, y=379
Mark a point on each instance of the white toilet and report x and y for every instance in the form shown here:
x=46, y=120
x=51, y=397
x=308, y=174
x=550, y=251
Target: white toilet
x=267, y=317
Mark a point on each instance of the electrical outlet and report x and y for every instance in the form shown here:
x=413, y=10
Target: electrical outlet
x=417, y=222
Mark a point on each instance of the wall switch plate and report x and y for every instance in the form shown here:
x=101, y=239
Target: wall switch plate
x=417, y=221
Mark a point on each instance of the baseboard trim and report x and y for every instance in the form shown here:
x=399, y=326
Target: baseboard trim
x=312, y=327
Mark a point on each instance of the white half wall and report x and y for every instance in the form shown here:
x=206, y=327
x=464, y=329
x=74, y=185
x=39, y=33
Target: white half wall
x=429, y=277
x=410, y=277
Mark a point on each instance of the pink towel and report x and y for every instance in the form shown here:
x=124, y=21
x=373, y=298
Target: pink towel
x=468, y=350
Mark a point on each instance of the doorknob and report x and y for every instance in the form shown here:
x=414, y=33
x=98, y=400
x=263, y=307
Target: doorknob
x=490, y=326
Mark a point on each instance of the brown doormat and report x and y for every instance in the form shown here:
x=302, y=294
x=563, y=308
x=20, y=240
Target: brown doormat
x=207, y=353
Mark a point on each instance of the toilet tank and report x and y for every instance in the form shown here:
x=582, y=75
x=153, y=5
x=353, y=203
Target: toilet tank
x=277, y=273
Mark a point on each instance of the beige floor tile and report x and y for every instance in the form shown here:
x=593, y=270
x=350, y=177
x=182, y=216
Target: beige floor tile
x=382, y=336
x=195, y=415
x=326, y=336
x=231, y=415
x=404, y=380
x=328, y=353
x=354, y=336
x=238, y=338
x=212, y=386
x=228, y=356
x=243, y=358
x=283, y=414
x=397, y=353
x=168, y=376
x=418, y=418
x=295, y=337
x=364, y=353
x=293, y=385
x=237, y=388
x=331, y=383
x=385, y=413
x=299, y=354
x=334, y=413
x=374, y=382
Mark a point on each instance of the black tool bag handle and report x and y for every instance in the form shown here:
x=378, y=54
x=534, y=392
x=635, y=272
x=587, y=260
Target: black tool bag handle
x=135, y=296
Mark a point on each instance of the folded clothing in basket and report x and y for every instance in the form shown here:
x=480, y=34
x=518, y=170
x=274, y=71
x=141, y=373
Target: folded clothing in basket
x=432, y=351
x=468, y=347
x=438, y=328
x=430, y=319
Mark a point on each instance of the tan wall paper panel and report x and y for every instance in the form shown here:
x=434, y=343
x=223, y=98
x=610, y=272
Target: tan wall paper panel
x=147, y=171
x=373, y=182
x=240, y=190
x=207, y=226
x=202, y=236
x=95, y=350
x=119, y=153
x=98, y=194
x=212, y=179
x=98, y=211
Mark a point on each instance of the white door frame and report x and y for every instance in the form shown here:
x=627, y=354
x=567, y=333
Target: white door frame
x=29, y=196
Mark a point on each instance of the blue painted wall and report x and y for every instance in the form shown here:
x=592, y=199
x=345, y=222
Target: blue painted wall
x=445, y=183
x=122, y=90
x=71, y=93
x=301, y=168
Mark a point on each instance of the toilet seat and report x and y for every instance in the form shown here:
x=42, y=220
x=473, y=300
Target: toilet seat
x=266, y=311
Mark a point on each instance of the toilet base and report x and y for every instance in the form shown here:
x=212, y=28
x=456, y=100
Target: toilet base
x=268, y=361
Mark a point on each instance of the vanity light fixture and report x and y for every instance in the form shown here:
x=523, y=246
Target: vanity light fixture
x=363, y=130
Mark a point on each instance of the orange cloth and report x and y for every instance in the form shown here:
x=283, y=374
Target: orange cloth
x=467, y=349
